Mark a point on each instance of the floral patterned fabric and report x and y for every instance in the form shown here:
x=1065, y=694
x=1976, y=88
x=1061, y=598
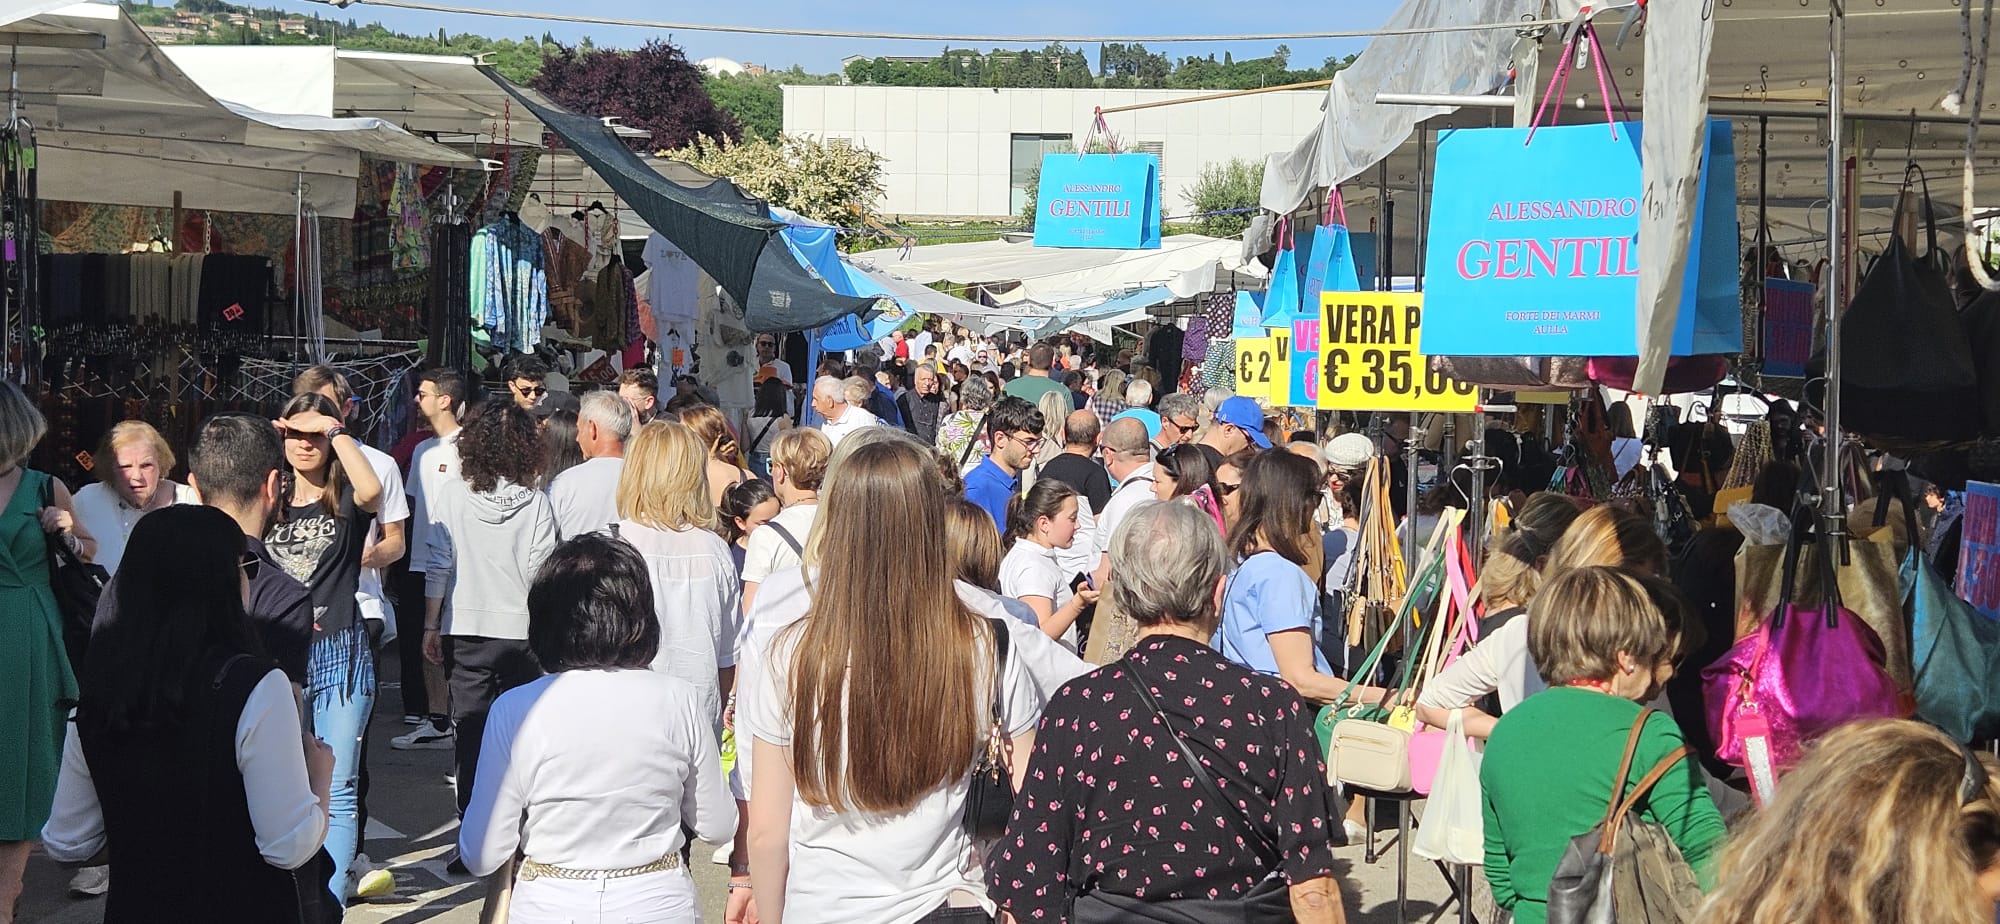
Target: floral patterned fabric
x=1110, y=805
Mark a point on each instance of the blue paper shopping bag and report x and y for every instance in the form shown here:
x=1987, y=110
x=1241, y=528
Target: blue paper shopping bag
x=1109, y=201
x=1532, y=250
x=1281, y=298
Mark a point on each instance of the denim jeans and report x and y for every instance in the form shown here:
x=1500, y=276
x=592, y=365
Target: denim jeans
x=342, y=698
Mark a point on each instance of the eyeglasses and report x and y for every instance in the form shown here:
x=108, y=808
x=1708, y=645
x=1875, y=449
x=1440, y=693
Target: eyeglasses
x=1184, y=425
x=250, y=564
x=1031, y=442
x=532, y=391
x=1227, y=488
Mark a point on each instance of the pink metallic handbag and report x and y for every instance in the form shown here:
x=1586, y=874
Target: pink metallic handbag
x=1804, y=672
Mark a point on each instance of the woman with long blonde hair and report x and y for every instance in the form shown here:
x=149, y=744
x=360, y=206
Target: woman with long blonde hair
x=1883, y=822
x=665, y=514
x=869, y=690
x=724, y=458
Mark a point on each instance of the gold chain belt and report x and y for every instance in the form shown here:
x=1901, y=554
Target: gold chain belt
x=530, y=870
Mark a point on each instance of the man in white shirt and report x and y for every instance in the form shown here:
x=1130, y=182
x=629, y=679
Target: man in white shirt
x=830, y=400
x=586, y=497
x=1128, y=456
x=770, y=366
x=440, y=394
x=958, y=351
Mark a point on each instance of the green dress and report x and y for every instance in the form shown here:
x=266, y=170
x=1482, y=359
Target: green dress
x=35, y=679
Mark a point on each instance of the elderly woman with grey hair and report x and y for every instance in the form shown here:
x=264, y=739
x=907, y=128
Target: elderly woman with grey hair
x=959, y=436
x=1139, y=753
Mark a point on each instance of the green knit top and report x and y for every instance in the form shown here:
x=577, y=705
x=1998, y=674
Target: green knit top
x=1547, y=777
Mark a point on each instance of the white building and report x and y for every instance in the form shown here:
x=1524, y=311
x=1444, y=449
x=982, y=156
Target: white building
x=967, y=152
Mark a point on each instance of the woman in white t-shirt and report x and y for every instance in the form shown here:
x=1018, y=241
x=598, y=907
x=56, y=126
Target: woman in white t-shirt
x=665, y=515
x=1039, y=522
x=869, y=700
x=598, y=806
x=132, y=482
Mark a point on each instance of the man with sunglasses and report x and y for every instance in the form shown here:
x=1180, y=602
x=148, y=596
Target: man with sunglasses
x=527, y=379
x=1180, y=415
x=1238, y=425
x=1015, y=429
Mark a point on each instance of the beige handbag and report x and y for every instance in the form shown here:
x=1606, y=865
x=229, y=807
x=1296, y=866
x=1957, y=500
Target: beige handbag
x=1370, y=755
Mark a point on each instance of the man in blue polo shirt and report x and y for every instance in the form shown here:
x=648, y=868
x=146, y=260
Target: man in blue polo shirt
x=1015, y=427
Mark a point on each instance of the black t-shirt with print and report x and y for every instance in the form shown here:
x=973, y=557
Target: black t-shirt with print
x=323, y=552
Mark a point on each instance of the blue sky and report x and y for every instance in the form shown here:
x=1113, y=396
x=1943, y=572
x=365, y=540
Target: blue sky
x=985, y=17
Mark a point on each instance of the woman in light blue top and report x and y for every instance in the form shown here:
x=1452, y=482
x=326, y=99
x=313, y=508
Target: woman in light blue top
x=1270, y=611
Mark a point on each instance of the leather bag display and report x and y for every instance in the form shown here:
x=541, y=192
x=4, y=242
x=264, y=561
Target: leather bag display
x=1913, y=380
x=1807, y=670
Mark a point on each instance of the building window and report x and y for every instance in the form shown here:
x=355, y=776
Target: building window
x=1157, y=149
x=1025, y=161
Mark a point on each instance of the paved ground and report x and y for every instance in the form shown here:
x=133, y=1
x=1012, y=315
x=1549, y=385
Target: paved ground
x=412, y=830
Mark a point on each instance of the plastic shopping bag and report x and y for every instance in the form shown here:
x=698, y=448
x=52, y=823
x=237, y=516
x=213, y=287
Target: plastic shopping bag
x=1452, y=829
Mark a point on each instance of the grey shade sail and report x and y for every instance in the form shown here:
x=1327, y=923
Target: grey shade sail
x=730, y=235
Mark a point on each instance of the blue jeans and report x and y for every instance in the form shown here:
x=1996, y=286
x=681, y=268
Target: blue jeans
x=342, y=698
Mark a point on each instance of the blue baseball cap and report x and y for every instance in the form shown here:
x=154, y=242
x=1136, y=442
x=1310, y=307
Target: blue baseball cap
x=1244, y=415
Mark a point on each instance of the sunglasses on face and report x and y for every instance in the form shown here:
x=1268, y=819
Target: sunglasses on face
x=532, y=391
x=1227, y=488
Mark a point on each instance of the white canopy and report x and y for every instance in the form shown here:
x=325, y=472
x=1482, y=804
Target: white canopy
x=118, y=123
x=1187, y=264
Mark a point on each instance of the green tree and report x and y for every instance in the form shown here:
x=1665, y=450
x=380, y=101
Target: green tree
x=1225, y=187
x=834, y=182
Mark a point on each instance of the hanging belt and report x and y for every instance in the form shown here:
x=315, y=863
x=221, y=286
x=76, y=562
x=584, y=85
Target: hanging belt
x=531, y=870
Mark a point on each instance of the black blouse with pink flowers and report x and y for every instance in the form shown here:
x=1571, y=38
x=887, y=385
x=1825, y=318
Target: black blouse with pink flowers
x=1110, y=805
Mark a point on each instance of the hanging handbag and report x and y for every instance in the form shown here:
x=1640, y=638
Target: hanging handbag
x=1267, y=902
x=1955, y=650
x=77, y=584
x=1913, y=381
x=989, y=802
x=1458, y=629
x=1804, y=672
x=1625, y=870
x=1368, y=745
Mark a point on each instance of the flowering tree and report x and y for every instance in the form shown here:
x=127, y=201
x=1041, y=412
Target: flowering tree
x=654, y=89
x=834, y=182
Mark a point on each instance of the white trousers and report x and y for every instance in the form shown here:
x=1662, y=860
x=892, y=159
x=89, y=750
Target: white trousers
x=666, y=897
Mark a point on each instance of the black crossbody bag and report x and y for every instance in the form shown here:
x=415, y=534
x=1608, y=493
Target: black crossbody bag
x=989, y=804
x=1267, y=902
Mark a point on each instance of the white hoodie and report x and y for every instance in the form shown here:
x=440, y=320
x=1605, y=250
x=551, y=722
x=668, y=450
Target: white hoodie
x=480, y=553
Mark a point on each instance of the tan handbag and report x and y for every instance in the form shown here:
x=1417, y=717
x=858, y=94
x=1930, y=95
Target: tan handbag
x=1371, y=755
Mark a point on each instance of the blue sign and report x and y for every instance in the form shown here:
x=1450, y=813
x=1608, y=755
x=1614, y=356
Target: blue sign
x=1281, y=297
x=1108, y=201
x=1534, y=250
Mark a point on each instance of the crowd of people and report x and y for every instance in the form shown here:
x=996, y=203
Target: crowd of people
x=952, y=631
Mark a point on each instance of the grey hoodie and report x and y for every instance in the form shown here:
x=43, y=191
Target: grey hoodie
x=481, y=551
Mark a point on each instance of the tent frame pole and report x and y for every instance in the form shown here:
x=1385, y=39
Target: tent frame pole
x=1832, y=512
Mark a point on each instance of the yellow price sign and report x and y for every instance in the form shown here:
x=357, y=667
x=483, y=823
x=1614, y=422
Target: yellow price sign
x=1255, y=367
x=1371, y=359
x=1280, y=394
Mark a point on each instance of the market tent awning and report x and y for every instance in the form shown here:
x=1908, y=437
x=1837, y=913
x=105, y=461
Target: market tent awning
x=445, y=95
x=1186, y=264
x=730, y=235
x=118, y=123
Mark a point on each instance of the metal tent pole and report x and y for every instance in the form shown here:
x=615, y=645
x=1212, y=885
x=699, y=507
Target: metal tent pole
x=1831, y=501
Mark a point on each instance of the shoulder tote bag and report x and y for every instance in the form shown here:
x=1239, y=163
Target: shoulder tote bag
x=1915, y=381
x=1804, y=672
x=1625, y=870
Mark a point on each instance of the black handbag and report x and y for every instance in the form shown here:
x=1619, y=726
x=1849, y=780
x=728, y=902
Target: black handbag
x=1907, y=375
x=1267, y=902
x=77, y=584
x=989, y=803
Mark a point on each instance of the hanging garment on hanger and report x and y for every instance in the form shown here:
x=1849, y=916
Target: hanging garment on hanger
x=604, y=246
x=509, y=292
x=675, y=283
